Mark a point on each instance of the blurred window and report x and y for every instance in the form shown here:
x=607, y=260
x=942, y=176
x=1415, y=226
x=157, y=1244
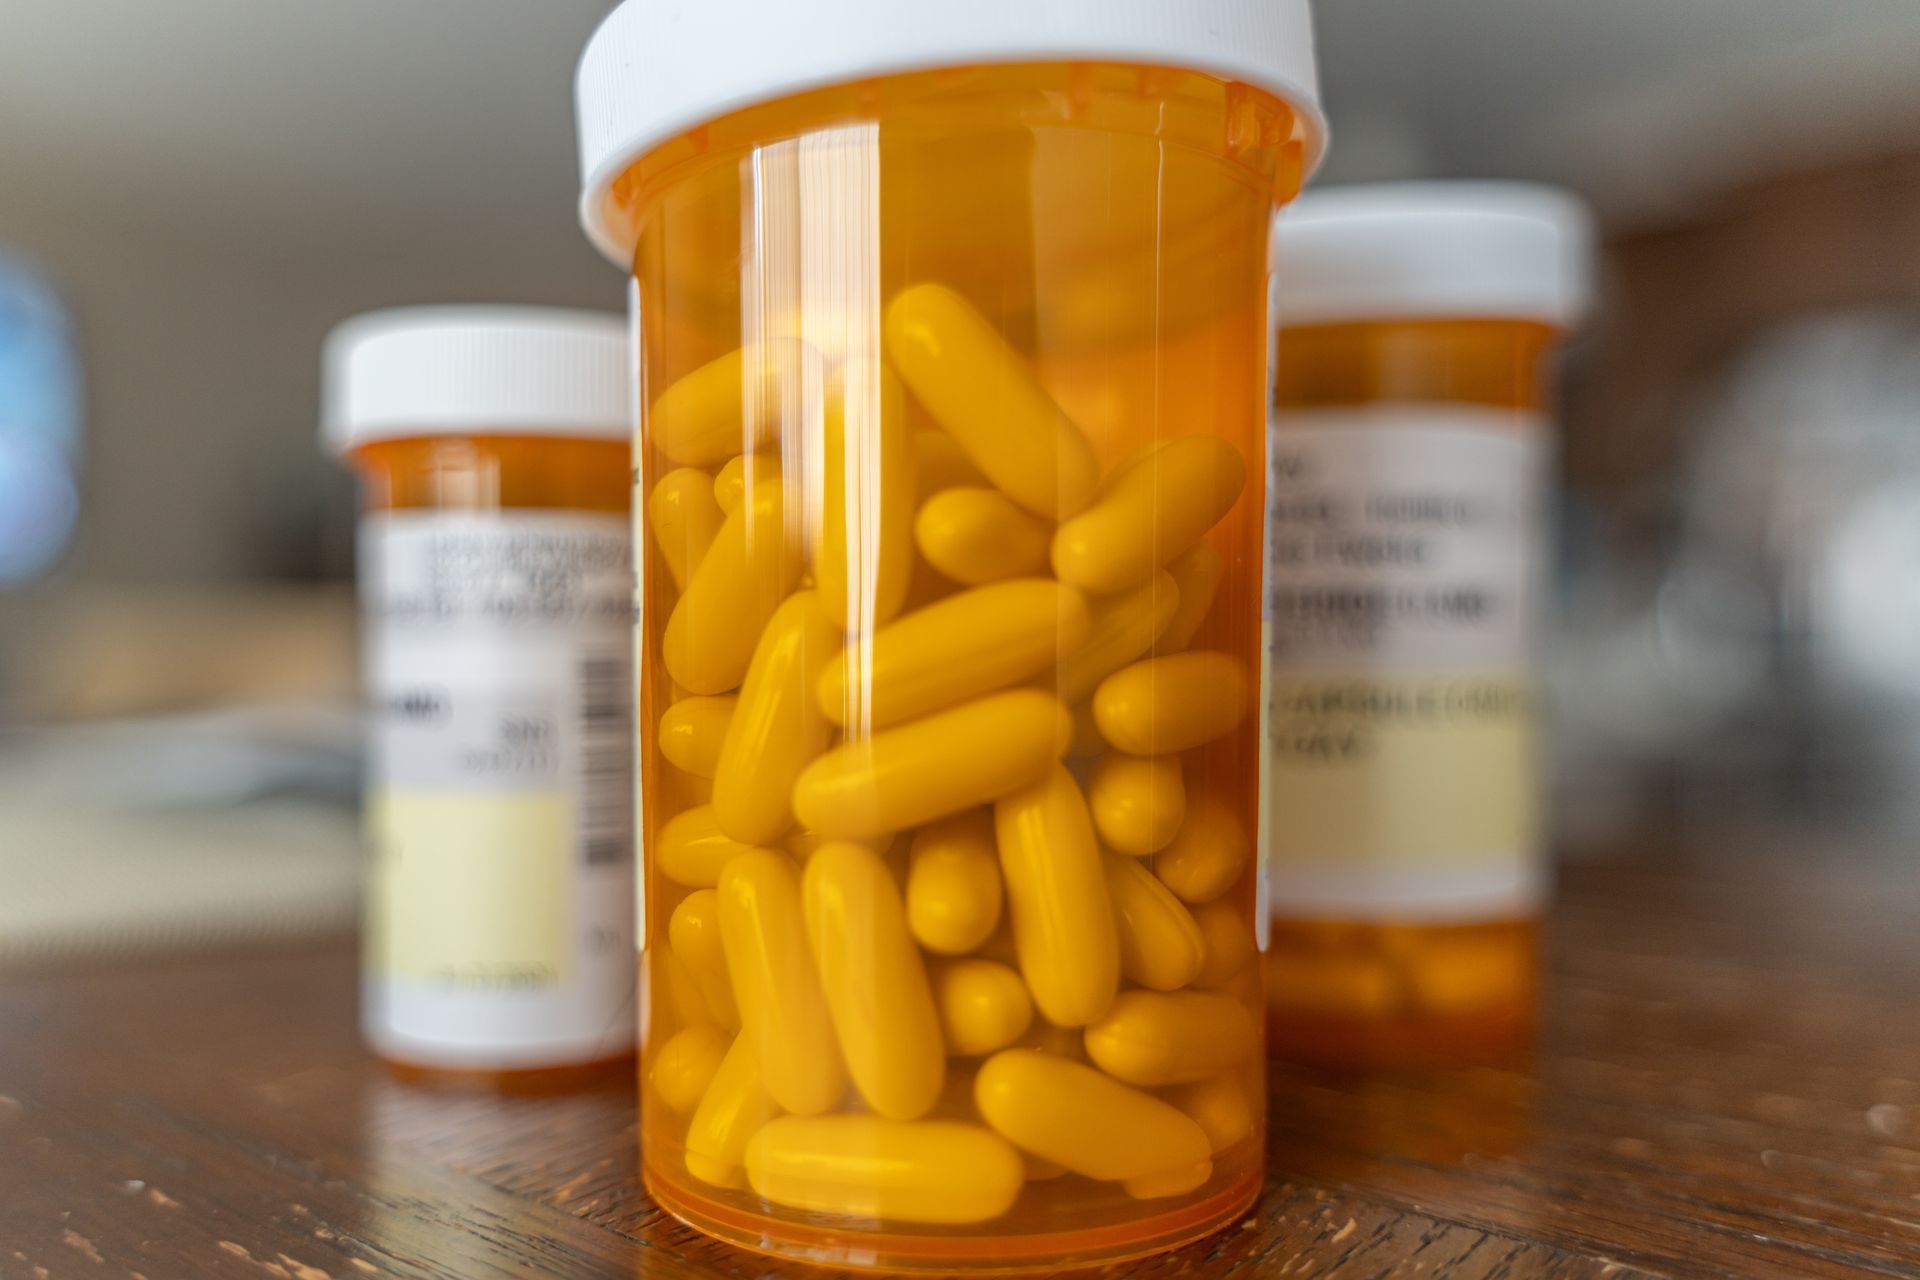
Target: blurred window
x=40, y=425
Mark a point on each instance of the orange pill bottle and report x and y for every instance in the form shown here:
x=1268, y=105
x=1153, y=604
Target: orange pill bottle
x=952, y=332
x=1408, y=465
x=495, y=572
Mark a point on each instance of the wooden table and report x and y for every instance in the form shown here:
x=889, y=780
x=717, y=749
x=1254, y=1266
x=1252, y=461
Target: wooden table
x=1729, y=1083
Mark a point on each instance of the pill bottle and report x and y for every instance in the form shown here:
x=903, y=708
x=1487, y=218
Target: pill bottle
x=1408, y=468
x=952, y=367
x=495, y=566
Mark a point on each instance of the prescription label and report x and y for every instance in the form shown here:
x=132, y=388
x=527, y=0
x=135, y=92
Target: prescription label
x=1403, y=557
x=499, y=926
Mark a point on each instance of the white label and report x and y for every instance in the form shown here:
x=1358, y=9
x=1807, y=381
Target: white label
x=499, y=669
x=1403, y=548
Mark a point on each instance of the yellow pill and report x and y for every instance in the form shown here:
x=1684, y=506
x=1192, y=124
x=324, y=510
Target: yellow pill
x=1155, y=1038
x=939, y=764
x=1149, y=512
x=666, y=980
x=980, y=389
x=686, y=1065
x=1197, y=571
x=1173, y=1182
x=734, y=1107
x=1218, y=1105
x=693, y=933
x=863, y=547
x=1057, y=897
x=1229, y=941
x=731, y=480
x=748, y=571
x=1160, y=945
x=959, y=648
x=953, y=883
x=1138, y=802
x=875, y=984
x=940, y=463
x=803, y=843
x=1122, y=628
x=1332, y=986
x=866, y=1167
x=684, y=517
x=1209, y=853
x=1091, y=1123
x=777, y=728
x=1163, y=705
x=783, y=1011
x=984, y=1006
x=691, y=731
x=1459, y=975
x=1087, y=741
x=691, y=849
x=979, y=535
x=728, y=406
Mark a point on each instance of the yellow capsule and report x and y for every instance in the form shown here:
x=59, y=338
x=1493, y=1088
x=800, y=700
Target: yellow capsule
x=777, y=728
x=693, y=934
x=1456, y=975
x=933, y=1171
x=734, y=1107
x=980, y=535
x=1209, y=853
x=1138, y=802
x=1198, y=571
x=1155, y=1037
x=1218, y=1105
x=1087, y=741
x=1160, y=945
x=1122, y=628
x=984, y=1006
x=686, y=1065
x=1229, y=941
x=751, y=566
x=691, y=731
x=731, y=480
x=1149, y=512
x=958, y=648
x=691, y=849
x=939, y=764
x=1057, y=897
x=1163, y=705
x=1173, y=1182
x=940, y=463
x=953, y=883
x=863, y=547
x=1331, y=985
x=875, y=984
x=684, y=517
x=803, y=843
x=980, y=389
x=783, y=1012
x=666, y=980
x=728, y=406
x=1089, y=1122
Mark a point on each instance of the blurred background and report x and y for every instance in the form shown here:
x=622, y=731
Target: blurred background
x=192, y=194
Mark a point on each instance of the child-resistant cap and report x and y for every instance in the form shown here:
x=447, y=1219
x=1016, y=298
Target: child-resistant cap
x=657, y=68
x=420, y=371
x=1471, y=250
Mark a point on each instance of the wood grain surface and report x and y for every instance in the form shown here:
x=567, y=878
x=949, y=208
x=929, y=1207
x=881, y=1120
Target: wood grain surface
x=1728, y=1084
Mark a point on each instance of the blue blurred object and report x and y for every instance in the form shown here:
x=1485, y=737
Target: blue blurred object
x=40, y=425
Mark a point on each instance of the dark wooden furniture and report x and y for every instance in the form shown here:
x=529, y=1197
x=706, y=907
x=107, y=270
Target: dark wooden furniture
x=1729, y=1083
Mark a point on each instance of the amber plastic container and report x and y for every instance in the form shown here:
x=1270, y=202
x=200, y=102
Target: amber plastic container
x=1411, y=437
x=491, y=444
x=951, y=464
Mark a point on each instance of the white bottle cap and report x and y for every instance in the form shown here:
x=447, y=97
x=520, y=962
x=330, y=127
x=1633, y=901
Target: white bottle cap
x=435, y=371
x=657, y=68
x=1479, y=250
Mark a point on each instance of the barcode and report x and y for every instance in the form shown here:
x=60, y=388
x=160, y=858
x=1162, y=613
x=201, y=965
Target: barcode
x=606, y=760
